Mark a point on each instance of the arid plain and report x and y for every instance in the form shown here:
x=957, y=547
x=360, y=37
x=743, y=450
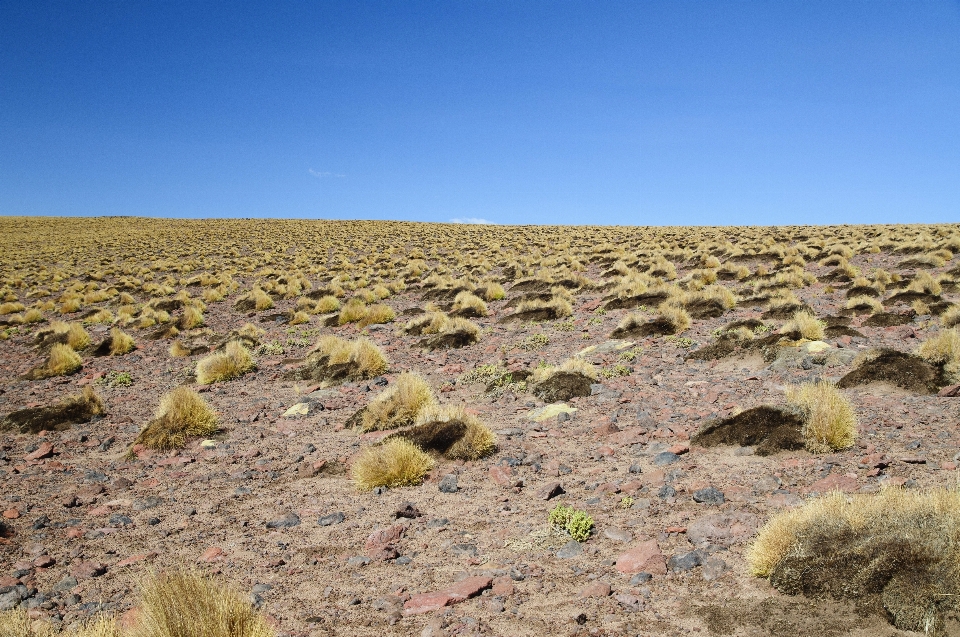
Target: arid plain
x=386, y=428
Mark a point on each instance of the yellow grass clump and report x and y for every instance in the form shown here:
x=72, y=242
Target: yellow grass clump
x=396, y=463
x=120, y=342
x=61, y=361
x=468, y=301
x=33, y=315
x=299, y=318
x=477, y=440
x=327, y=304
x=399, y=405
x=232, y=362
x=103, y=316
x=427, y=323
x=943, y=348
x=570, y=366
x=192, y=317
x=354, y=310
x=494, y=292
x=11, y=308
x=261, y=300
x=376, y=314
x=863, y=302
x=829, y=422
x=16, y=623
x=950, y=318
x=182, y=414
x=809, y=326
x=186, y=603
x=675, y=316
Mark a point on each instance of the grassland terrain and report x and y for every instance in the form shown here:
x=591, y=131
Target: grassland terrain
x=386, y=428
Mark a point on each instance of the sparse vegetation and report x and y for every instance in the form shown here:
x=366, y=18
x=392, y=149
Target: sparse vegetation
x=182, y=414
x=396, y=463
x=829, y=420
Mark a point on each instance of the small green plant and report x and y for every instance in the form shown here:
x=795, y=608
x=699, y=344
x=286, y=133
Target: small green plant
x=600, y=311
x=274, y=348
x=577, y=524
x=619, y=370
x=761, y=329
x=626, y=502
x=717, y=332
x=630, y=355
x=564, y=326
x=536, y=341
x=116, y=379
x=580, y=526
x=595, y=321
x=680, y=341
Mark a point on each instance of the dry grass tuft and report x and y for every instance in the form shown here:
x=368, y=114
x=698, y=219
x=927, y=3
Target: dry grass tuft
x=570, y=366
x=354, y=310
x=182, y=603
x=120, y=342
x=299, y=318
x=427, y=323
x=943, y=348
x=61, y=361
x=327, y=304
x=182, y=414
x=468, y=304
x=951, y=318
x=192, y=317
x=234, y=361
x=476, y=441
x=396, y=463
x=900, y=546
x=864, y=302
x=809, y=326
x=377, y=314
x=675, y=316
x=16, y=623
x=399, y=405
x=829, y=420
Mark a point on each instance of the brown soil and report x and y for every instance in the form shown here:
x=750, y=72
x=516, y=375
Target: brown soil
x=834, y=331
x=785, y=312
x=910, y=296
x=538, y=314
x=705, y=309
x=58, y=417
x=862, y=290
x=448, y=340
x=630, y=302
x=769, y=428
x=562, y=386
x=889, y=319
x=655, y=327
x=903, y=370
x=434, y=436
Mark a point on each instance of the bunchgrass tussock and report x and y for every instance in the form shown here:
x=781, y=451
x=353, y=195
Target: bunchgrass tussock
x=829, y=422
x=396, y=463
x=398, y=405
x=808, y=325
x=232, y=362
x=182, y=414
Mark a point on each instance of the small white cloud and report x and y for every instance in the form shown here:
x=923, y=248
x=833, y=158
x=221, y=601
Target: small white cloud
x=473, y=220
x=321, y=174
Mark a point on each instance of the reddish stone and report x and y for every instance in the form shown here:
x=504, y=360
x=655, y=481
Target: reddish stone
x=426, y=602
x=382, y=537
x=11, y=514
x=609, y=487
x=129, y=619
x=503, y=476
x=606, y=450
x=86, y=570
x=950, y=391
x=45, y=450
x=99, y=511
x=680, y=448
x=502, y=586
x=628, y=437
x=139, y=557
x=834, y=482
x=645, y=557
x=605, y=429
x=212, y=554
x=469, y=587
x=596, y=589
x=74, y=533
x=676, y=529
x=44, y=561
x=877, y=460
x=454, y=594
x=948, y=466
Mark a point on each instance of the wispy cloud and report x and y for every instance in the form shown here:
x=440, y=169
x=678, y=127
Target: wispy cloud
x=473, y=220
x=323, y=174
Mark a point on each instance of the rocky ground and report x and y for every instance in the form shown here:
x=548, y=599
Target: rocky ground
x=268, y=505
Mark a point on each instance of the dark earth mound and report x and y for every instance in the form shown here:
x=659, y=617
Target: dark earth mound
x=656, y=327
x=841, y=330
x=58, y=417
x=449, y=340
x=629, y=302
x=437, y=436
x=889, y=319
x=769, y=428
x=705, y=309
x=910, y=296
x=562, y=386
x=785, y=312
x=898, y=368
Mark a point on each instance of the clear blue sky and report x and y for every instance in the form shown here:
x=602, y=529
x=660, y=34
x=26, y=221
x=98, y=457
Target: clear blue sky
x=672, y=112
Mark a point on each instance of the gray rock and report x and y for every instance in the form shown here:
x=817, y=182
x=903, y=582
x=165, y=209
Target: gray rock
x=403, y=561
x=570, y=549
x=666, y=491
x=665, y=458
x=722, y=529
x=9, y=600
x=284, y=522
x=66, y=583
x=333, y=518
x=635, y=468
x=262, y=588
x=358, y=560
x=640, y=578
x=463, y=550
x=685, y=561
x=767, y=484
x=709, y=495
x=561, y=418
x=437, y=523
x=118, y=519
x=617, y=535
x=448, y=483
x=713, y=568
x=149, y=502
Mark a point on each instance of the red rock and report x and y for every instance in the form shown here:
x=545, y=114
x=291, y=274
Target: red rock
x=454, y=594
x=99, y=511
x=596, y=589
x=503, y=476
x=606, y=450
x=87, y=570
x=502, y=586
x=950, y=391
x=44, y=561
x=680, y=448
x=628, y=437
x=6, y=580
x=550, y=490
x=139, y=557
x=11, y=514
x=381, y=537
x=675, y=529
x=605, y=429
x=45, y=450
x=833, y=482
x=129, y=619
x=877, y=460
x=212, y=554
x=948, y=466
x=645, y=557
x=74, y=533
x=723, y=529
x=608, y=487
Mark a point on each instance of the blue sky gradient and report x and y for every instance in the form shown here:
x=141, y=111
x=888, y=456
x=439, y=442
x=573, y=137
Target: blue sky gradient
x=638, y=113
